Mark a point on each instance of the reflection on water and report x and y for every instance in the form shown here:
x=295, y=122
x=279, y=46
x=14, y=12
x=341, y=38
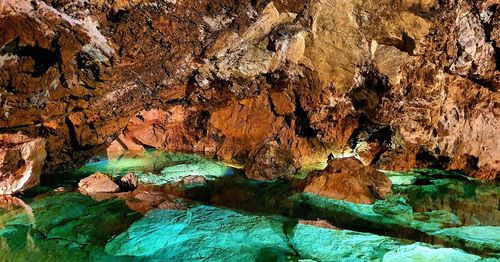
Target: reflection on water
x=228, y=217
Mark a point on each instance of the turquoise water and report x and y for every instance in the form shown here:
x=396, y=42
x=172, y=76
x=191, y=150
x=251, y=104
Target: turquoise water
x=432, y=216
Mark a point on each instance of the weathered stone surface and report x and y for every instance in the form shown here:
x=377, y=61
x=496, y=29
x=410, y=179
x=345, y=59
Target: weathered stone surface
x=220, y=78
x=128, y=182
x=98, y=183
x=21, y=161
x=216, y=234
x=270, y=161
x=347, y=179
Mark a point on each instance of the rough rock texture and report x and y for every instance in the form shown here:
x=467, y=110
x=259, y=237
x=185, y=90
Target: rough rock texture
x=98, y=183
x=128, y=182
x=216, y=234
x=347, y=179
x=413, y=80
x=21, y=162
x=270, y=161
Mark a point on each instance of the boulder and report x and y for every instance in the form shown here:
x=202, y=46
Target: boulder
x=270, y=161
x=128, y=182
x=21, y=162
x=348, y=179
x=98, y=183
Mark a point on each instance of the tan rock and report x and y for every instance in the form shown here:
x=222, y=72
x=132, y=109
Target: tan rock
x=390, y=61
x=98, y=183
x=318, y=223
x=476, y=56
x=21, y=162
x=348, y=179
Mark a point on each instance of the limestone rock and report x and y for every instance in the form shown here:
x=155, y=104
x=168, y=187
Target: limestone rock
x=270, y=161
x=347, y=179
x=21, y=161
x=98, y=183
x=476, y=56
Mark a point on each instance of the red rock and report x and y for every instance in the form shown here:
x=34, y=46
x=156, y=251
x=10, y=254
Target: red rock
x=97, y=183
x=21, y=162
x=348, y=179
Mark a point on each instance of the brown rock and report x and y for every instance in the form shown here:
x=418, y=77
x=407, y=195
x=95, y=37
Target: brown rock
x=347, y=179
x=98, y=183
x=144, y=201
x=283, y=103
x=21, y=162
x=270, y=161
x=368, y=151
x=318, y=223
x=206, y=77
x=193, y=179
x=128, y=182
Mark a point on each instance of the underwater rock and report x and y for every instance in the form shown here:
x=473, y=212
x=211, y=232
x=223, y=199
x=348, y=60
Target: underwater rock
x=144, y=201
x=67, y=226
x=348, y=179
x=270, y=161
x=21, y=161
x=98, y=183
x=217, y=234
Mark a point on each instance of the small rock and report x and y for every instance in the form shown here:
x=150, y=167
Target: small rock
x=318, y=223
x=128, y=182
x=176, y=204
x=348, y=179
x=98, y=183
x=270, y=161
x=145, y=201
x=193, y=179
x=21, y=162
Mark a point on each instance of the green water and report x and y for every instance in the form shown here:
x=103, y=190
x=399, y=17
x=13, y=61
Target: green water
x=432, y=216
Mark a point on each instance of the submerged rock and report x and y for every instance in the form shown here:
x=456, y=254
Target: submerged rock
x=21, y=162
x=98, y=183
x=348, y=179
x=270, y=161
x=67, y=226
x=217, y=234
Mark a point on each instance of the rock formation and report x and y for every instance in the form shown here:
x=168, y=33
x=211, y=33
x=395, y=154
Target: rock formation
x=98, y=183
x=21, y=162
x=270, y=161
x=347, y=179
x=398, y=84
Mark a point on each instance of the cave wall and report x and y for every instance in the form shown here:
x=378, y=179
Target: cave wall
x=397, y=83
